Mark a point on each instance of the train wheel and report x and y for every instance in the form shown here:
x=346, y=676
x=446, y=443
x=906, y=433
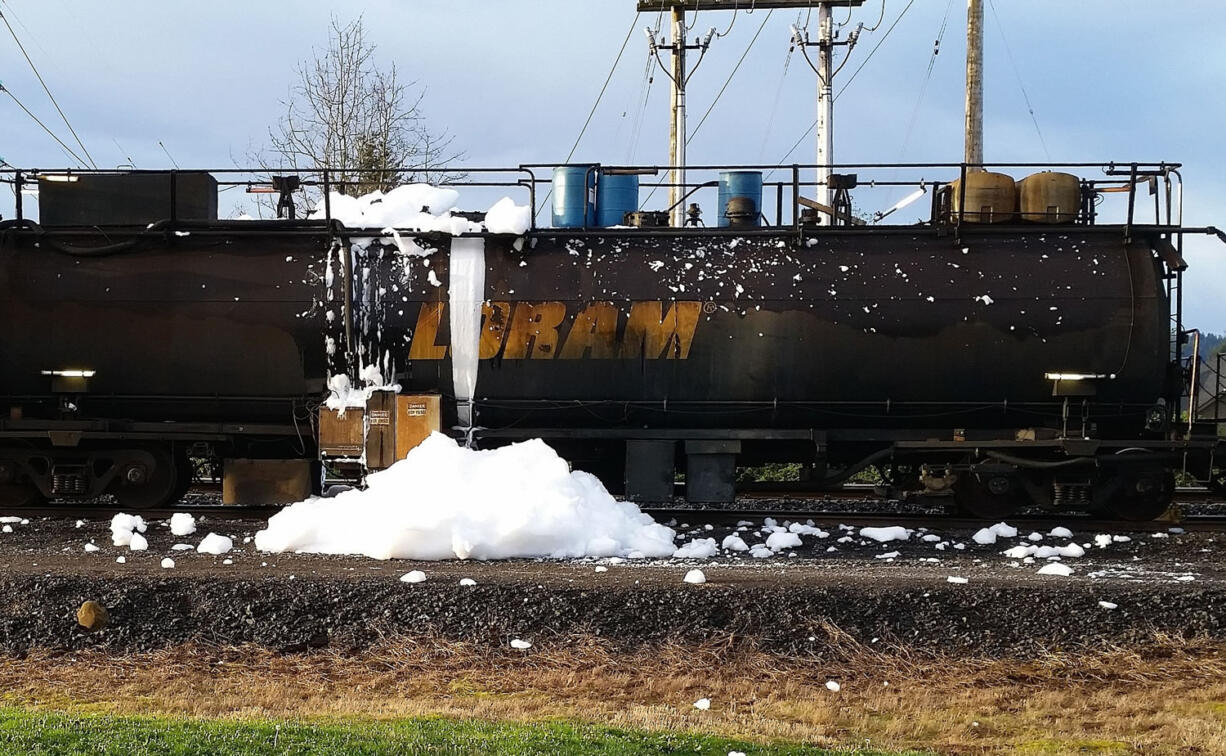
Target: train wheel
x=20, y=495
x=1142, y=495
x=988, y=496
x=146, y=486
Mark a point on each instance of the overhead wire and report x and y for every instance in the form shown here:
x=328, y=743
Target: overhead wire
x=46, y=89
x=936, y=50
x=44, y=127
x=880, y=18
x=1018, y=75
x=728, y=81
x=595, y=105
x=770, y=121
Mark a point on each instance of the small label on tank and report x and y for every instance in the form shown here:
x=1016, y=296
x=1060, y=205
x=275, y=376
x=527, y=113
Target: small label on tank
x=380, y=417
x=416, y=409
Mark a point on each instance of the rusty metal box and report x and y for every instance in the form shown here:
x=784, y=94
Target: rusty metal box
x=264, y=482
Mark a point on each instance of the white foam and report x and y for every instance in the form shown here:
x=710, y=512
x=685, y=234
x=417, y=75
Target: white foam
x=215, y=544
x=506, y=217
x=444, y=501
x=182, y=523
x=699, y=548
x=695, y=576
x=881, y=535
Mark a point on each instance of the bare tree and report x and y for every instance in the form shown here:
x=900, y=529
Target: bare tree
x=361, y=121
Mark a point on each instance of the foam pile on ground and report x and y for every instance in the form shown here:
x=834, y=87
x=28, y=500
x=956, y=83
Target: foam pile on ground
x=781, y=541
x=699, y=548
x=444, y=501
x=182, y=523
x=123, y=526
x=215, y=544
x=882, y=535
x=733, y=542
x=1045, y=552
x=1056, y=568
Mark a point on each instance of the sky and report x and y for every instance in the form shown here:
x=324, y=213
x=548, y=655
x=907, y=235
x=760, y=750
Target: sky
x=514, y=80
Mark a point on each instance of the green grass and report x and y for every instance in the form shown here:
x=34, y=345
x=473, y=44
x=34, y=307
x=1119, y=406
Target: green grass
x=25, y=731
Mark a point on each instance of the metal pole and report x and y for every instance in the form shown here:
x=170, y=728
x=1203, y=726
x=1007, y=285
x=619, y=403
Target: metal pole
x=974, y=85
x=825, y=104
x=677, y=135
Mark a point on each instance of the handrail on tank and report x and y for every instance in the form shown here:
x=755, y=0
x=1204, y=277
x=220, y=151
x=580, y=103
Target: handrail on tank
x=1126, y=175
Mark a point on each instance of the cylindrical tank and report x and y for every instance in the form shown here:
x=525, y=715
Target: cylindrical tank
x=1049, y=197
x=738, y=184
x=616, y=195
x=990, y=198
x=573, y=190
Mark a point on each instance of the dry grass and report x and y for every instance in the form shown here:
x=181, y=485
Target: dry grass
x=1169, y=699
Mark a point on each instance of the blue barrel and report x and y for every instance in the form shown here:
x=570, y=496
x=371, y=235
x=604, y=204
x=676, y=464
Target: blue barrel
x=572, y=200
x=616, y=195
x=738, y=184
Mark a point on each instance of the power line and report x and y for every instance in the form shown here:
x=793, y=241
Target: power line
x=596, y=104
x=872, y=52
x=936, y=50
x=50, y=133
x=46, y=89
x=728, y=81
x=1018, y=75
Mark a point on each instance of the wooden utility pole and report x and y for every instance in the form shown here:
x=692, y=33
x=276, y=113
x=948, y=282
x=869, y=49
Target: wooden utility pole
x=973, y=156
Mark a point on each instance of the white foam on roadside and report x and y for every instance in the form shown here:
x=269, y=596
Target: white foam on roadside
x=444, y=501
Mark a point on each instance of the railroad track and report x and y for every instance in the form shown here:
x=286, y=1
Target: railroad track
x=792, y=507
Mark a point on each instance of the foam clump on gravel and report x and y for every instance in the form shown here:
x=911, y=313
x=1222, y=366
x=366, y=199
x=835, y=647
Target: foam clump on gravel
x=699, y=548
x=444, y=501
x=215, y=544
x=696, y=577
x=123, y=526
x=882, y=535
x=1056, y=568
x=182, y=524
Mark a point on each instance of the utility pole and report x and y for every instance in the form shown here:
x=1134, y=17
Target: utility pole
x=676, y=133
x=678, y=77
x=825, y=70
x=974, y=85
x=825, y=103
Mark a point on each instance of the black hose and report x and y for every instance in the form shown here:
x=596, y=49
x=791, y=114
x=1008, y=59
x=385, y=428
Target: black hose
x=1038, y=464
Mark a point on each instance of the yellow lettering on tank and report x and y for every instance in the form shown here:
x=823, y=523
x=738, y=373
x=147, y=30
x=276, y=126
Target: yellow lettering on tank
x=494, y=317
x=594, y=331
x=534, y=331
x=652, y=334
x=425, y=334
